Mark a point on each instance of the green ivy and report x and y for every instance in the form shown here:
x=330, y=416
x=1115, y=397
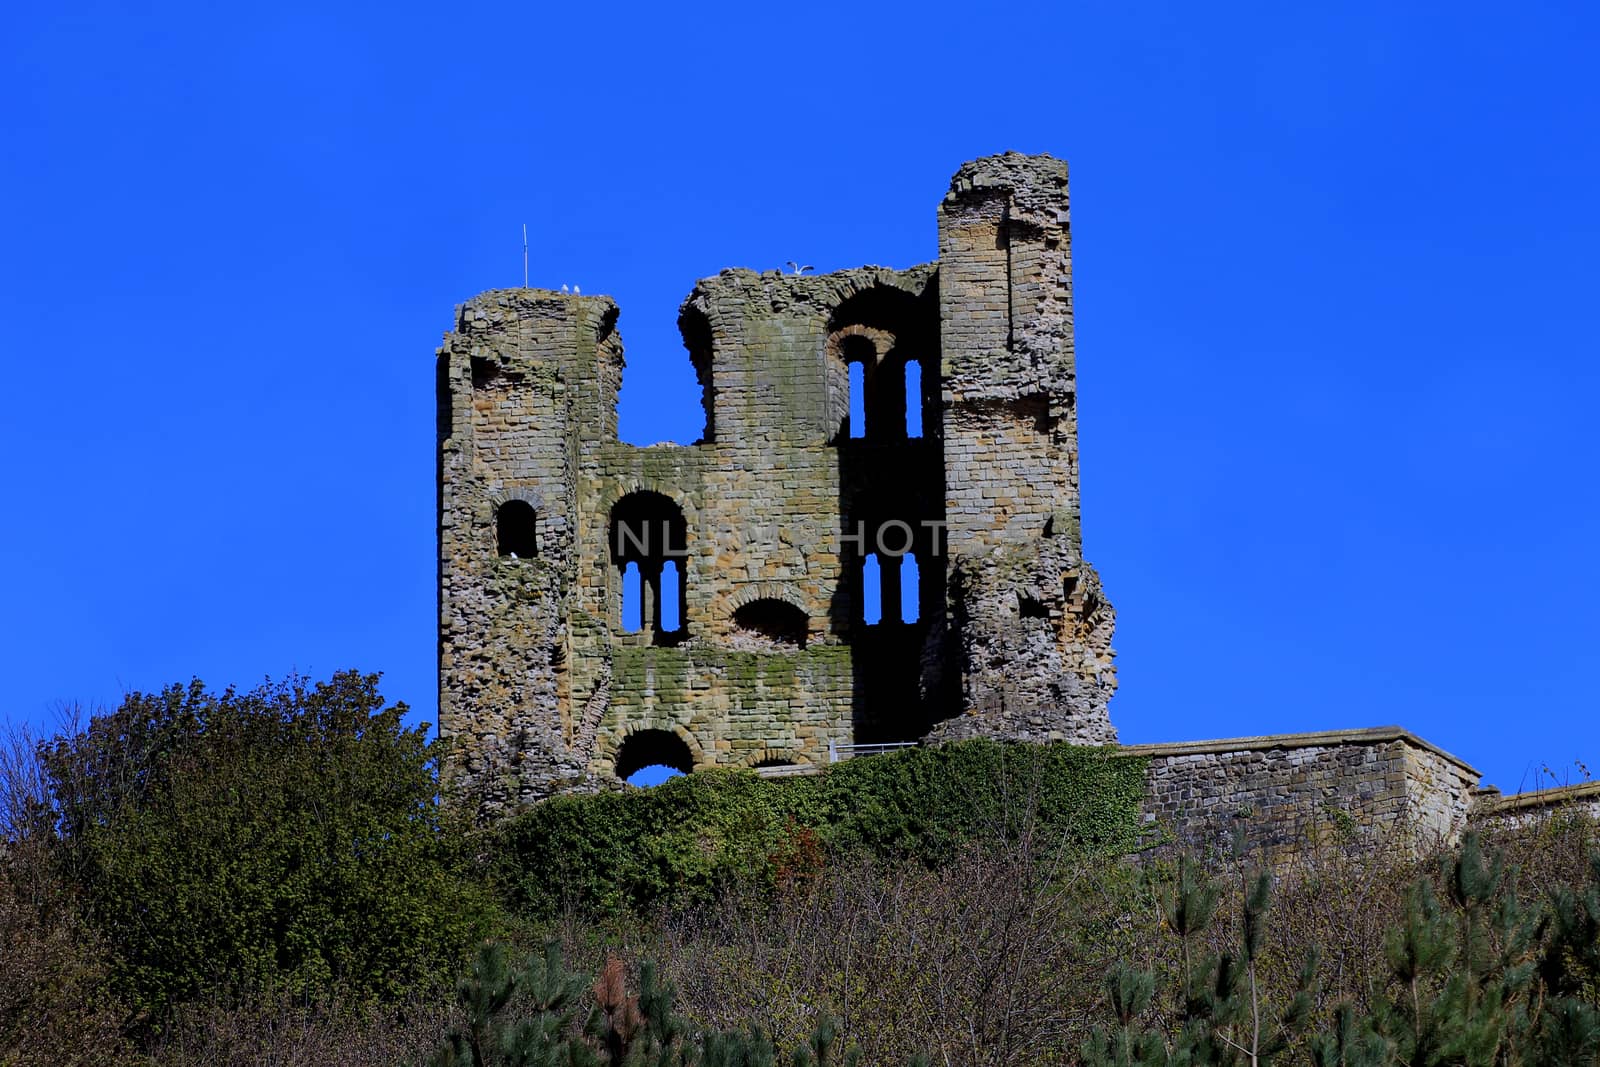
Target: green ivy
x=681, y=842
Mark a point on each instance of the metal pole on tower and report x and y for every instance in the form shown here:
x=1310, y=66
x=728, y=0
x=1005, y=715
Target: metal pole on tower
x=524, y=255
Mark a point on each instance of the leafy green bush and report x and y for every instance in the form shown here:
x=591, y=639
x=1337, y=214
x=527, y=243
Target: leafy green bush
x=285, y=838
x=682, y=841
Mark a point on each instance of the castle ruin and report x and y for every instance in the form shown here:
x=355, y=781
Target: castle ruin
x=797, y=580
x=876, y=541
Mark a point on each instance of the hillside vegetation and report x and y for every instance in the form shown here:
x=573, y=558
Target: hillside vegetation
x=265, y=877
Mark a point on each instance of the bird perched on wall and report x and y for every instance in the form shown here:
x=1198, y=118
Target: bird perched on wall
x=795, y=268
x=564, y=288
x=575, y=289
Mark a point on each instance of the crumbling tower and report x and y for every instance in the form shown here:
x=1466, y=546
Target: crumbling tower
x=1032, y=627
x=802, y=579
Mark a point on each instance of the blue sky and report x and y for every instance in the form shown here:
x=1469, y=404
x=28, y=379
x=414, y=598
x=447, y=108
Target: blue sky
x=1336, y=281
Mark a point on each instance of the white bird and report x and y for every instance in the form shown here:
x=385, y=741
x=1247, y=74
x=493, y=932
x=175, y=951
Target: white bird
x=575, y=289
x=798, y=269
x=564, y=289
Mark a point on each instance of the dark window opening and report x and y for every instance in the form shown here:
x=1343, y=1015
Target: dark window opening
x=649, y=546
x=1030, y=608
x=516, y=530
x=772, y=622
x=444, y=398
x=880, y=407
x=484, y=371
x=773, y=761
x=647, y=750
x=885, y=330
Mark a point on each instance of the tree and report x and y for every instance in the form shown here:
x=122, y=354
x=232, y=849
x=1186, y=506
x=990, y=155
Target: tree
x=285, y=838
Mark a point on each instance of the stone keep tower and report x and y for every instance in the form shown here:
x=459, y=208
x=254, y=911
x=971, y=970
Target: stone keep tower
x=799, y=580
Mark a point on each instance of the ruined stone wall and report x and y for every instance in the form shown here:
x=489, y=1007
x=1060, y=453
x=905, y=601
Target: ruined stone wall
x=1294, y=795
x=781, y=509
x=1031, y=624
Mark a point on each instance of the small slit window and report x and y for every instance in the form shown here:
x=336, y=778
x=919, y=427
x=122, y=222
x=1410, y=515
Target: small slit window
x=913, y=399
x=515, y=530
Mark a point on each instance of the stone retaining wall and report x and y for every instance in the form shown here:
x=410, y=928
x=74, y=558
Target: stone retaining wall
x=1296, y=794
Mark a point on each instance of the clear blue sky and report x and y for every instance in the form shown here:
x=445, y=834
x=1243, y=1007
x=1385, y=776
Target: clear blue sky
x=1336, y=287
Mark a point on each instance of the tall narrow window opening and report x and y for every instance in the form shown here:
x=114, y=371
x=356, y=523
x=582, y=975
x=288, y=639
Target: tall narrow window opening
x=910, y=588
x=858, y=399
x=871, y=590
x=632, y=600
x=913, y=398
x=671, y=620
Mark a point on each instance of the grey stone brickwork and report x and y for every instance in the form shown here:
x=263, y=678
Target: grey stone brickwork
x=762, y=529
x=1297, y=794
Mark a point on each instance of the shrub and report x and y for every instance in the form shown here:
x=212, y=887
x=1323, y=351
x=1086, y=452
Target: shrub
x=280, y=839
x=53, y=970
x=682, y=841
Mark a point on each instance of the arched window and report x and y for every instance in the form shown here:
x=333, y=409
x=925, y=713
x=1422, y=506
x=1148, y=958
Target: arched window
x=515, y=530
x=885, y=331
x=658, y=751
x=771, y=623
x=650, y=536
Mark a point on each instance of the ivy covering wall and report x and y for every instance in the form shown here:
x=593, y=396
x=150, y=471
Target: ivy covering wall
x=679, y=842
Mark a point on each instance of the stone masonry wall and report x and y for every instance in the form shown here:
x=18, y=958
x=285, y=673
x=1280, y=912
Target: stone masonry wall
x=1294, y=795
x=1031, y=624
